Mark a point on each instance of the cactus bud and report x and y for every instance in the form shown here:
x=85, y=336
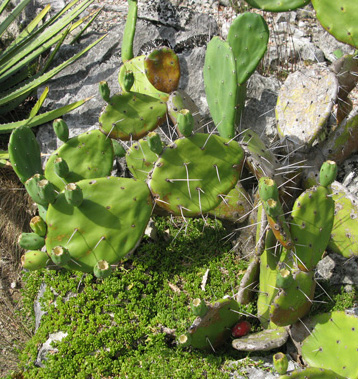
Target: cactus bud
x=102, y=269
x=34, y=260
x=61, y=167
x=73, y=194
x=31, y=241
x=155, y=143
x=60, y=255
x=328, y=173
x=280, y=363
x=199, y=308
x=128, y=81
x=105, y=91
x=46, y=191
x=38, y=226
x=61, y=129
x=185, y=122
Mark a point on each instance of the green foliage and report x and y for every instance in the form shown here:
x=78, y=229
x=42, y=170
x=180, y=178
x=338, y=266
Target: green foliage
x=115, y=326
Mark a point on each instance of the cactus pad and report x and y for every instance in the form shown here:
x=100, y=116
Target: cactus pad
x=24, y=153
x=265, y=340
x=277, y=5
x=193, y=174
x=221, y=86
x=131, y=115
x=89, y=155
x=140, y=159
x=344, y=238
x=311, y=225
x=304, y=103
x=248, y=36
x=312, y=373
x=141, y=83
x=163, y=70
x=293, y=302
x=333, y=344
x=213, y=328
x=339, y=19
x=106, y=226
x=235, y=206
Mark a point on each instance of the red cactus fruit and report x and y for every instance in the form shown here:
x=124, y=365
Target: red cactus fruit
x=241, y=329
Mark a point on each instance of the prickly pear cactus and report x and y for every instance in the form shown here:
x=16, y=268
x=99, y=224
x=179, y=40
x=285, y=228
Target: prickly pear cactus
x=333, y=344
x=248, y=37
x=344, y=238
x=311, y=225
x=212, y=329
x=221, y=88
x=179, y=100
x=339, y=19
x=312, y=373
x=140, y=159
x=235, y=206
x=293, y=302
x=131, y=116
x=265, y=340
x=24, y=153
x=277, y=5
x=163, y=70
x=89, y=155
x=129, y=31
x=107, y=225
x=141, y=83
x=304, y=103
x=193, y=174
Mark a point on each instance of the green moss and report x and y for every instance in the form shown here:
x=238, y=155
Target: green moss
x=117, y=326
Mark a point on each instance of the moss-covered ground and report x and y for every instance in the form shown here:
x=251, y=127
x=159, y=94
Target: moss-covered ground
x=126, y=325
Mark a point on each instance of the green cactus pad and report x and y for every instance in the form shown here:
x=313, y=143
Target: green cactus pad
x=277, y=5
x=34, y=260
x=268, y=273
x=333, y=344
x=221, y=86
x=339, y=19
x=162, y=69
x=248, y=36
x=106, y=226
x=311, y=225
x=31, y=241
x=38, y=226
x=312, y=373
x=344, y=237
x=141, y=83
x=265, y=340
x=140, y=159
x=131, y=116
x=213, y=328
x=61, y=129
x=293, y=302
x=24, y=153
x=193, y=174
x=129, y=31
x=267, y=189
x=304, y=103
x=89, y=155
x=235, y=206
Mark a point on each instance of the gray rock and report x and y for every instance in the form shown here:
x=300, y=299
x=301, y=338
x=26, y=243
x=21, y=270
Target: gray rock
x=39, y=312
x=338, y=270
x=259, y=113
x=47, y=347
x=348, y=174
